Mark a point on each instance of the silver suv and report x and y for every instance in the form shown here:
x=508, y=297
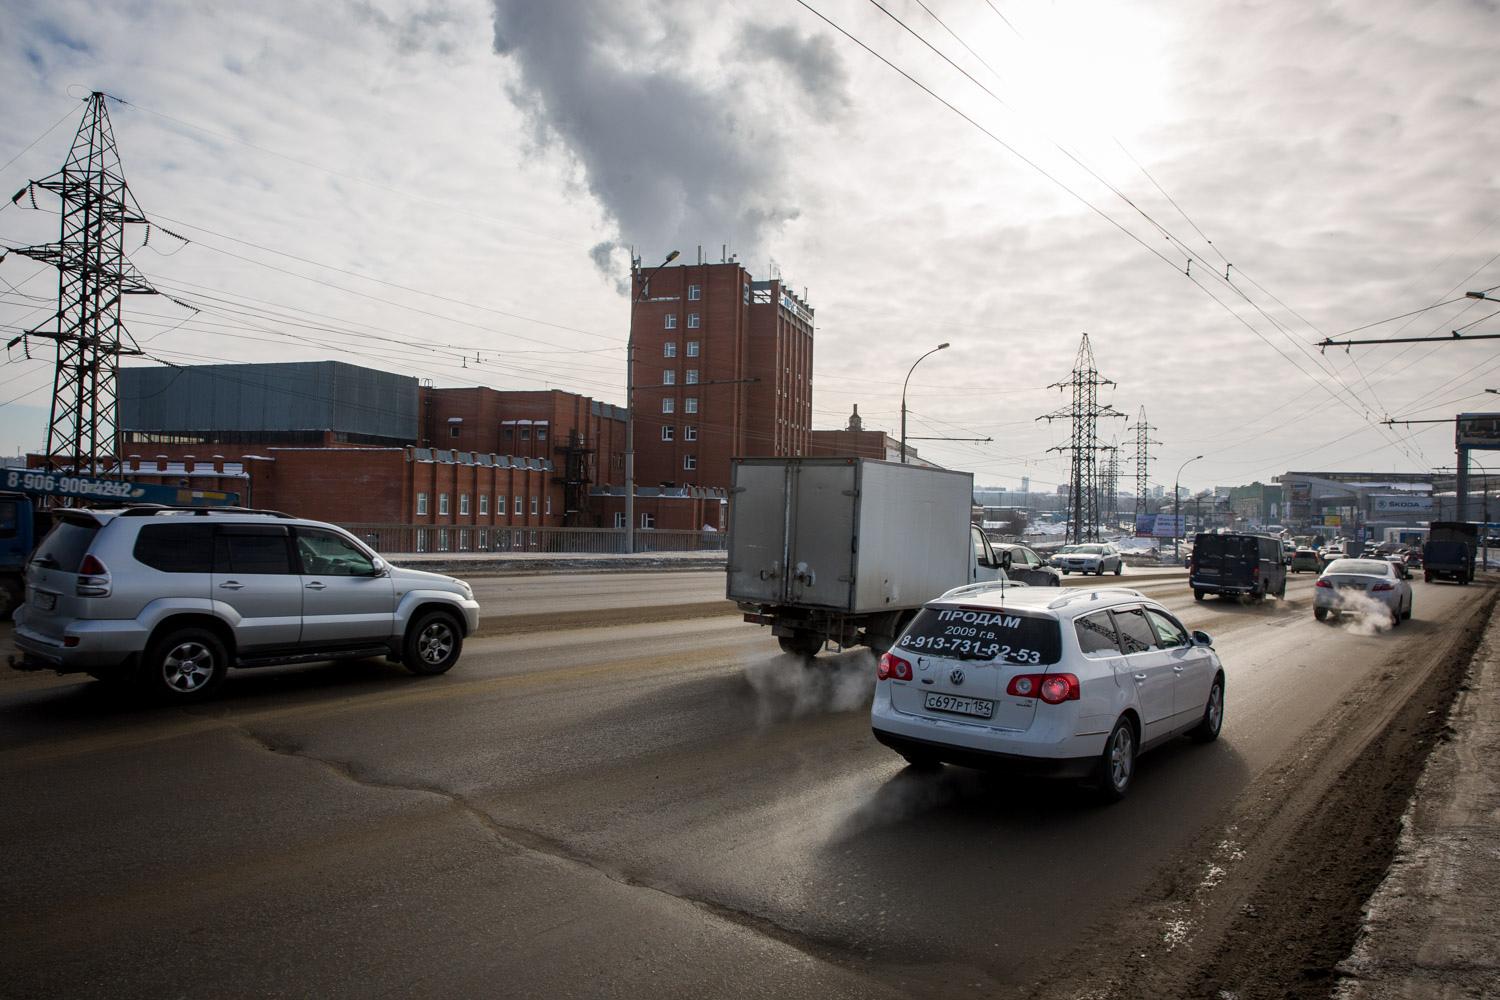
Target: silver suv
x=174, y=597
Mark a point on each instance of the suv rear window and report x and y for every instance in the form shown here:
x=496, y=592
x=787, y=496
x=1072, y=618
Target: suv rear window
x=176, y=548
x=65, y=545
x=983, y=634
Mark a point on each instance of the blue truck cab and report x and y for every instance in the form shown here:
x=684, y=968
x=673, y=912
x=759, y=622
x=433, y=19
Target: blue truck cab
x=17, y=538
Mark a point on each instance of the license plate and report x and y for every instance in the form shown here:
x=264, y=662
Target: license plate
x=44, y=600
x=977, y=707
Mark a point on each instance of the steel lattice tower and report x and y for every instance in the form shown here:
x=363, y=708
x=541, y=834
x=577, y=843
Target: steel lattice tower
x=1110, y=506
x=1142, y=460
x=1084, y=448
x=93, y=276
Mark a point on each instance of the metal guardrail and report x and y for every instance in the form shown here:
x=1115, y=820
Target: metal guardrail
x=459, y=538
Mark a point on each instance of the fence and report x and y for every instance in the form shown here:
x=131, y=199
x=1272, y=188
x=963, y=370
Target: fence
x=405, y=538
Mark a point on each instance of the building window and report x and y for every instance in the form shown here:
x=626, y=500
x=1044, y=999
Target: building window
x=690, y=432
x=666, y=432
x=533, y=539
x=689, y=462
x=692, y=321
x=695, y=292
x=668, y=405
x=533, y=504
x=463, y=503
x=690, y=405
x=442, y=503
x=692, y=348
x=520, y=510
x=442, y=539
x=692, y=376
x=463, y=539
x=484, y=539
x=499, y=504
x=669, y=377
x=669, y=349
x=421, y=503
x=671, y=321
x=508, y=432
x=648, y=520
x=453, y=430
x=619, y=519
x=525, y=433
x=541, y=433
x=547, y=505
x=484, y=503
x=747, y=293
x=421, y=539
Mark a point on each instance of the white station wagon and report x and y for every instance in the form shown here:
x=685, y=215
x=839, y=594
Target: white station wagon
x=1071, y=685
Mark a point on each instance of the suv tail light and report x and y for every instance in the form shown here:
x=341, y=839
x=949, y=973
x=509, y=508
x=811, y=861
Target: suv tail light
x=892, y=668
x=1054, y=689
x=1323, y=583
x=93, y=577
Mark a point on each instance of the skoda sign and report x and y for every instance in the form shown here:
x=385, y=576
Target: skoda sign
x=1400, y=505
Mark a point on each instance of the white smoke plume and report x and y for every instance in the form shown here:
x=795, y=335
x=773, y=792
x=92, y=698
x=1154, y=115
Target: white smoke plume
x=682, y=127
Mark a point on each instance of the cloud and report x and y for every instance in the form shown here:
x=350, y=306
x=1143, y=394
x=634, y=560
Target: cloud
x=652, y=107
x=430, y=27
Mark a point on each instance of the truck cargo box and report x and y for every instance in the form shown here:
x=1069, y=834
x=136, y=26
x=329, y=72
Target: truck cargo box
x=848, y=534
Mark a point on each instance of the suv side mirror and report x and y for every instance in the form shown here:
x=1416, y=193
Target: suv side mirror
x=1005, y=559
x=377, y=567
x=1202, y=638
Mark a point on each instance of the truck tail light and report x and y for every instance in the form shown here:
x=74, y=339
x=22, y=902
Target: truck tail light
x=892, y=668
x=1054, y=689
x=1323, y=583
x=93, y=578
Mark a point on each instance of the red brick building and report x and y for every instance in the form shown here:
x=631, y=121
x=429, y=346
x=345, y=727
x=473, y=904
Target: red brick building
x=855, y=440
x=722, y=369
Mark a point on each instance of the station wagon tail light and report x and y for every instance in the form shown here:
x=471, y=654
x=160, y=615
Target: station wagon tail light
x=93, y=578
x=1054, y=689
x=892, y=668
x=1323, y=583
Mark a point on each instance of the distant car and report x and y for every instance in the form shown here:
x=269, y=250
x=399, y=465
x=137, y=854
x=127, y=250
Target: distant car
x=1413, y=558
x=1398, y=562
x=1362, y=586
x=1026, y=566
x=1068, y=685
x=1306, y=560
x=1093, y=557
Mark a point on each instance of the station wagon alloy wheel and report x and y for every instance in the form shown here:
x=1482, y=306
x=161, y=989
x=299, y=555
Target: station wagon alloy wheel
x=1121, y=758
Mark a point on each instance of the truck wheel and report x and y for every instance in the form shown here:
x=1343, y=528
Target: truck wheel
x=1197, y=594
x=801, y=643
x=185, y=665
x=1320, y=613
x=433, y=644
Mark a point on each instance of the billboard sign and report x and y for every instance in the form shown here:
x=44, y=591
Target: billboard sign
x=41, y=482
x=1477, y=430
x=1332, y=521
x=1401, y=505
x=1158, y=526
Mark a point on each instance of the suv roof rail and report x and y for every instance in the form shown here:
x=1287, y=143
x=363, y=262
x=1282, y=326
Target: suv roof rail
x=152, y=509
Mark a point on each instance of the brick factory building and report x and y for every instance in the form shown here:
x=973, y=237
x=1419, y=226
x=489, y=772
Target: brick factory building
x=722, y=369
x=855, y=440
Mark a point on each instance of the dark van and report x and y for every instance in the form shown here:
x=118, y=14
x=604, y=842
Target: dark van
x=1235, y=565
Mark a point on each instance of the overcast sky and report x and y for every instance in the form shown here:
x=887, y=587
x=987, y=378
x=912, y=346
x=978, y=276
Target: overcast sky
x=448, y=189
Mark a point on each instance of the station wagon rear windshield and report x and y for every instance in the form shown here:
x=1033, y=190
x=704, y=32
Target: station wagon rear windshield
x=1369, y=567
x=959, y=633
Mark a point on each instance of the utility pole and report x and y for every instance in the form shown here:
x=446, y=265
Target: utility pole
x=1084, y=412
x=93, y=276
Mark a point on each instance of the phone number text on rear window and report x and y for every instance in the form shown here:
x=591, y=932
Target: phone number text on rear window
x=965, y=634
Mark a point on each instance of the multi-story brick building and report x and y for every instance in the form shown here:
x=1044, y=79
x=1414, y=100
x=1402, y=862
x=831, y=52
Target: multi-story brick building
x=722, y=369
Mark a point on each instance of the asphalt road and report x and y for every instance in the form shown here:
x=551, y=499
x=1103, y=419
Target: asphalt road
x=664, y=808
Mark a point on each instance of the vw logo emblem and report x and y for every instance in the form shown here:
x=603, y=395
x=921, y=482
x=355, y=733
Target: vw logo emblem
x=957, y=676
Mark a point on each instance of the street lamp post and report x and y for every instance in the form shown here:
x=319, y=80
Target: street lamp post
x=940, y=347
x=1484, y=532
x=1177, y=508
x=630, y=407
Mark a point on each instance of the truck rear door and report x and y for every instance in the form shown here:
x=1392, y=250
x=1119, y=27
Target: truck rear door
x=822, y=532
x=758, y=522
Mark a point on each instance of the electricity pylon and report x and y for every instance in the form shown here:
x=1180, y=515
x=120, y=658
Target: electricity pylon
x=93, y=276
x=1085, y=413
x=1142, y=460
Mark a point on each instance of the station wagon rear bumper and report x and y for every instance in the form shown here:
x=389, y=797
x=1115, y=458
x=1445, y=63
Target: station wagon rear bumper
x=988, y=760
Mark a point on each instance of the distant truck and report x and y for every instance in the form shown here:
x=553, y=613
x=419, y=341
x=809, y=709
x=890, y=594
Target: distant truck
x=17, y=539
x=848, y=549
x=1449, y=552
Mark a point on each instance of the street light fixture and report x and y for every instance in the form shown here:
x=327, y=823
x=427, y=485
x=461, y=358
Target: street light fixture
x=630, y=407
x=1481, y=295
x=1177, y=507
x=940, y=347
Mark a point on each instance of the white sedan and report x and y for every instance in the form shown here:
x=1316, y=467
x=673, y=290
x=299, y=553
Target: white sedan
x=1094, y=557
x=1362, y=587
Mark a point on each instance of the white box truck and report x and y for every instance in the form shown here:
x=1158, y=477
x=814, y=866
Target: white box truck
x=845, y=550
